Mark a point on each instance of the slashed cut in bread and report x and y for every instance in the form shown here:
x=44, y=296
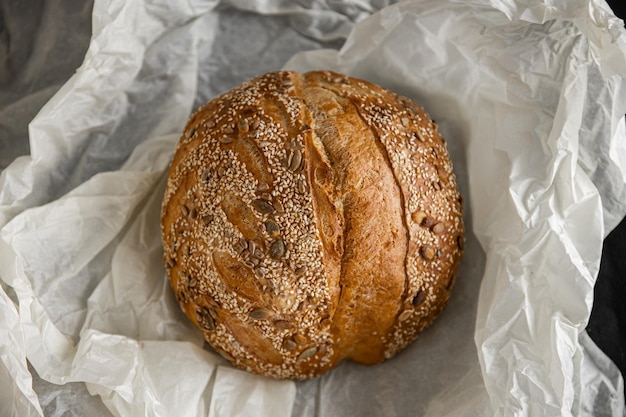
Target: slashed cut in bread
x=310, y=218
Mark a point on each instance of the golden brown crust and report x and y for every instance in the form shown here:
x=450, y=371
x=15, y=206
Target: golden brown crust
x=311, y=218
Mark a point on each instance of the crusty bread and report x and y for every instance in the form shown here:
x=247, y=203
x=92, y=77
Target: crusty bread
x=310, y=218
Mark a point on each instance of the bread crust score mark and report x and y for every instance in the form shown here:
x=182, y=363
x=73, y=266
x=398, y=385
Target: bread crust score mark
x=310, y=218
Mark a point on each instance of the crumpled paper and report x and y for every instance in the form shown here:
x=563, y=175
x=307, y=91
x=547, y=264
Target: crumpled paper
x=530, y=97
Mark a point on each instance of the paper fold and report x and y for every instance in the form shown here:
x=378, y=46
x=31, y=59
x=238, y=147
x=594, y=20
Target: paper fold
x=530, y=98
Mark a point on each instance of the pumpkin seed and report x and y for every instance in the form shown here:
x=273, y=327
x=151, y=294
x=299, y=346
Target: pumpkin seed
x=418, y=216
x=262, y=206
x=419, y=298
x=259, y=314
x=438, y=228
x=428, y=222
x=290, y=344
x=272, y=228
x=277, y=249
x=427, y=252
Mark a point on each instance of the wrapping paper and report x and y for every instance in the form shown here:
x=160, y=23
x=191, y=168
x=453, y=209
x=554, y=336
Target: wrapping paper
x=531, y=98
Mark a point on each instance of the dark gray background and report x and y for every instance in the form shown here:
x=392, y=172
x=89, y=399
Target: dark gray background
x=31, y=73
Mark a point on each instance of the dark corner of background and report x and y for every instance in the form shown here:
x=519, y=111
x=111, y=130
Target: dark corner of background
x=607, y=324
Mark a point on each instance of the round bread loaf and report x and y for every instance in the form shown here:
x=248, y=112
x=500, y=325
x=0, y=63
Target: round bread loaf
x=310, y=218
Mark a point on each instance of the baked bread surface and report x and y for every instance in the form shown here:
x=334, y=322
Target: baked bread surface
x=310, y=218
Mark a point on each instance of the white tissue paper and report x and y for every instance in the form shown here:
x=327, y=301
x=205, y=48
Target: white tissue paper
x=530, y=96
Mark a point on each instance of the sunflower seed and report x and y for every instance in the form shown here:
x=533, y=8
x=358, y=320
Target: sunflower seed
x=450, y=282
x=295, y=159
x=307, y=353
x=299, y=339
x=181, y=297
x=243, y=125
x=283, y=324
x=301, y=186
x=405, y=121
x=210, y=123
x=225, y=355
x=405, y=315
x=229, y=129
x=207, y=219
x=302, y=166
x=241, y=246
x=190, y=133
x=300, y=270
x=226, y=140
x=279, y=206
x=205, y=321
x=443, y=174
x=460, y=242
